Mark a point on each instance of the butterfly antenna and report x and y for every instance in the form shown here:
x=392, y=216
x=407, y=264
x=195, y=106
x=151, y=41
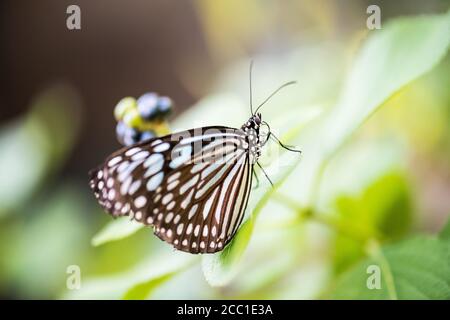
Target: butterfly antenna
x=250, y=80
x=264, y=173
x=275, y=92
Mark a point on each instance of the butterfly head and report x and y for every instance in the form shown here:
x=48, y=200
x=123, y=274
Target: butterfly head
x=253, y=123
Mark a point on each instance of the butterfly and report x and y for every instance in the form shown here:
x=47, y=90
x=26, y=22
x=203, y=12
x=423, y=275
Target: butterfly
x=192, y=186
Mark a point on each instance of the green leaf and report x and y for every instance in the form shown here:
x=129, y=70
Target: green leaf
x=401, y=52
x=37, y=241
x=143, y=290
x=384, y=210
x=418, y=268
x=392, y=57
x=115, y=230
x=136, y=283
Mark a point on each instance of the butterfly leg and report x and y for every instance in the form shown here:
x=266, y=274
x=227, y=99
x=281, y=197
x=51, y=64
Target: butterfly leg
x=264, y=173
x=290, y=148
x=274, y=138
x=257, y=178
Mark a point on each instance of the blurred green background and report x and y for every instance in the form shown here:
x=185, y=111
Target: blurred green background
x=371, y=112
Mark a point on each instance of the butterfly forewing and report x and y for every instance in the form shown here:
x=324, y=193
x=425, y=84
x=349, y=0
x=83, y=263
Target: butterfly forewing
x=192, y=186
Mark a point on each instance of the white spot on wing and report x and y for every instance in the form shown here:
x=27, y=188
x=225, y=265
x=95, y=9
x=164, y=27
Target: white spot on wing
x=138, y=215
x=198, y=167
x=140, y=155
x=154, y=168
x=114, y=161
x=153, y=159
x=189, y=184
x=124, y=187
x=154, y=143
x=140, y=201
x=182, y=155
x=174, y=176
x=197, y=230
x=125, y=208
x=122, y=166
x=192, y=211
x=155, y=181
x=207, y=137
x=187, y=200
x=169, y=217
x=127, y=172
x=111, y=194
x=172, y=185
x=162, y=147
x=213, y=180
x=171, y=205
x=110, y=182
x=134, y=187
x=208, y=204
x=132, y=151
x=165, y=200
x=180, y=228
x=211, y=168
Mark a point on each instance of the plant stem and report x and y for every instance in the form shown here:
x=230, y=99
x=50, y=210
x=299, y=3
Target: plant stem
x=374, y=250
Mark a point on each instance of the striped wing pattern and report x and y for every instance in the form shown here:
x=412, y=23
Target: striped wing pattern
x=192, y=186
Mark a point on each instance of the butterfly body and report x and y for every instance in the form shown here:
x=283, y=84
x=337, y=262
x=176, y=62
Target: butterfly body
x=251, y=130
x=192, y=186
